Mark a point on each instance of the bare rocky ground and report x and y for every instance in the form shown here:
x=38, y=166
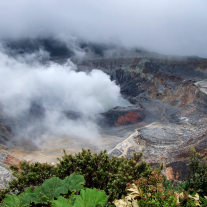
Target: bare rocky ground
x=168, y=114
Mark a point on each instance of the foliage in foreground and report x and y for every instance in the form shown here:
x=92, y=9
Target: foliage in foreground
x=105, y=173
x=99, y=170
x=145, y=187
x=56, y=192
x=197, y=178
x=151, y=192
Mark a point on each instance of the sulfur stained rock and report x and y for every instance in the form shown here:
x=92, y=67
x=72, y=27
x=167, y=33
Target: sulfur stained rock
x=129, y=118
x=10, y=160
x=122, y=116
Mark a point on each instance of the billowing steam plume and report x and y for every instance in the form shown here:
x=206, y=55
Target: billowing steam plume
x=36, y=98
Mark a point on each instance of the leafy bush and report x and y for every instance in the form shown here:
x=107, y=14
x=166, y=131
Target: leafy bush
x=151, y=192
x=102, y=172
x=46, y=185
x=99, y=170
x=30, y=175
x=197, y=178
x=49, y=194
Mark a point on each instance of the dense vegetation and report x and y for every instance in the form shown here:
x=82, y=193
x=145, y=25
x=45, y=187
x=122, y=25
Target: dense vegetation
x=87, y=179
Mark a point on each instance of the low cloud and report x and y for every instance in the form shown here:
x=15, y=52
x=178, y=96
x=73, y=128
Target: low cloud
x=163, y=26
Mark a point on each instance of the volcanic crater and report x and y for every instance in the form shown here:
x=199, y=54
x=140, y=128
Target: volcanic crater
x=166, y=116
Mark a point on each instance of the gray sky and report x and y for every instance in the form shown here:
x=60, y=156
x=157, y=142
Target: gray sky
x=175, y=27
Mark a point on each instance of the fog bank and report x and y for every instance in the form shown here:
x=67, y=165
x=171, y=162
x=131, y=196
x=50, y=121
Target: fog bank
x=163, y=26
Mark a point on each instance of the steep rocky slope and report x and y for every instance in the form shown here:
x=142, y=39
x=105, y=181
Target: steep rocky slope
x=170, y=94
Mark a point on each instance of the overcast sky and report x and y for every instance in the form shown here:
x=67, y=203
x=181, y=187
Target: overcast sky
x=175, y=27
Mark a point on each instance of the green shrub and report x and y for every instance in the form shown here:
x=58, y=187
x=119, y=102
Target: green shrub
x=151, y=192
x=30, y=175
x=99, y=170
x=197, y=178
x=102, y=172
x=49, y=194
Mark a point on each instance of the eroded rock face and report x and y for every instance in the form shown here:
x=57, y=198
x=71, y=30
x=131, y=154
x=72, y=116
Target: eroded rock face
x=5, y=177
x=172, y=93
x=171, y=81
x=176, y=171
x=5, y=134
x=5, y=174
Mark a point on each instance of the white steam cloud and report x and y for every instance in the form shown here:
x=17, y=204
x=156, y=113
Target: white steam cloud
x=54, y=89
